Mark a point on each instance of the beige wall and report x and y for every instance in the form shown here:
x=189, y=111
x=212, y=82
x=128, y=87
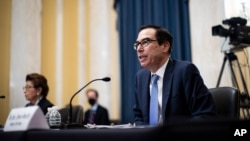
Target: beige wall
x=71, y=42
x=206, y=49
x=5, y=12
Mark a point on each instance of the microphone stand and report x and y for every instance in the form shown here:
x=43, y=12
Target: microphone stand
x=70, y=124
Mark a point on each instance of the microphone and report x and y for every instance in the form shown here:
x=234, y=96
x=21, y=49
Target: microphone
x=2, y=96
x=106, y=79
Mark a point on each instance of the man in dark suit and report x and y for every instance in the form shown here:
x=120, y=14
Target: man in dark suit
x=181, y=92
x=97, y=114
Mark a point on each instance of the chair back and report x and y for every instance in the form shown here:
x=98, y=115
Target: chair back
x=227, y=102
x=77, y=114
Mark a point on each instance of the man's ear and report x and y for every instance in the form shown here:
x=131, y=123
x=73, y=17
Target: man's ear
x=166, y=47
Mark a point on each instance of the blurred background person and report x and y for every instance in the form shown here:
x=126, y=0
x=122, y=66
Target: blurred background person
x=36, y=90
x=97, y=114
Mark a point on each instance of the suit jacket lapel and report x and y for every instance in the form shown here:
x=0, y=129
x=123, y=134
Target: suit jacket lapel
x=168, y=76
x=146, y=92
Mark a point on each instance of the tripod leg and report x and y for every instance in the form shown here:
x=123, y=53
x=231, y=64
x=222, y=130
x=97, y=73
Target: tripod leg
x=233, y=74
x=242, y=77
x=221, y=71
x=233, y=57
x=244, y=102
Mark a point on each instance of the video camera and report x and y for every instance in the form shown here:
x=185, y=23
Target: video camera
x=238, y=32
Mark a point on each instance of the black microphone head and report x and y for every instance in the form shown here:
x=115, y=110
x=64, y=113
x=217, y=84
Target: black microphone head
x=106, y=79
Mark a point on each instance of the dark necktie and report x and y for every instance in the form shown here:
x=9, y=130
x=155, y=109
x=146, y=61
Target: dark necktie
x=91, y=117
x=154, y=101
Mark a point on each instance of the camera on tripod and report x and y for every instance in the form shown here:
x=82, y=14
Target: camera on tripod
x=238, y=32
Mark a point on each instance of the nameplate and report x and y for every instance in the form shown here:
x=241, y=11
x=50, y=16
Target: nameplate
x=25, y=118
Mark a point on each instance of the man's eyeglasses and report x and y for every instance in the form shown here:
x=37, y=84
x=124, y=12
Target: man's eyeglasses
x=28, y=87
x=145, y=42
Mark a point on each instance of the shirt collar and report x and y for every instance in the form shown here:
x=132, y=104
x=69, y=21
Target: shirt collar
x=38, y=100
x=161, y=70
x=94, y=107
